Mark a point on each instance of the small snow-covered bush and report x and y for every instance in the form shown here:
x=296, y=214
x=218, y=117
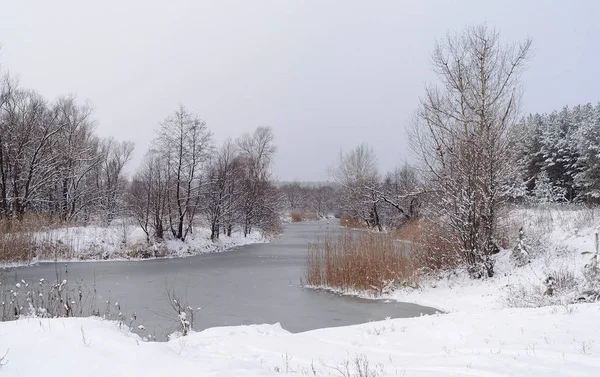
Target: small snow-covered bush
x=559, y=286
x=520, y=253
x=185, y=314
x=591, y=271
x=565, y=280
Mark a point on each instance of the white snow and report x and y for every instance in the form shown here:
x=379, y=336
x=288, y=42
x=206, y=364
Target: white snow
x=479, y=336
x=558, y=236
x=510, y=342
x=123, y=241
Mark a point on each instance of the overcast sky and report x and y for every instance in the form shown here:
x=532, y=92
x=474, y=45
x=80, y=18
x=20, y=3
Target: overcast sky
x=325, y=75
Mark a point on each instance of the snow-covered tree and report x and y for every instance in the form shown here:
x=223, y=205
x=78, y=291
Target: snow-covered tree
x=185, y=144
x=545, y=192
x=462, y=133
x=587, y=139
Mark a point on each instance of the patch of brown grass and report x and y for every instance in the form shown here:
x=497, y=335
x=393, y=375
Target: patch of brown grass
x=16, y=247
x=296, y=217
x=366, y=262
x=17, y=242
x=429, y=245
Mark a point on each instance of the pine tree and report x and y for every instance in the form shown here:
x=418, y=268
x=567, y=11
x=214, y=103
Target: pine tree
x=546, y=192
x=588, y=144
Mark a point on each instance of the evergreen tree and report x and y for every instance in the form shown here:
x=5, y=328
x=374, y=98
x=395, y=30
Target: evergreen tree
x=588, y=144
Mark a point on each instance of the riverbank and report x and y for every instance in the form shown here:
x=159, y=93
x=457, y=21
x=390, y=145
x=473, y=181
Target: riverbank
x=534, y=342
x=124, y=242
x=561, y=244
x=480, y=336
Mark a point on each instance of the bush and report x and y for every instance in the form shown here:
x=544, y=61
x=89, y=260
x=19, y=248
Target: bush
x=46, y=299
x=296, y=217
x=57, y=299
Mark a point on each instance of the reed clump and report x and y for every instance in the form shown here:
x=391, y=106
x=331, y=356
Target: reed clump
x=363, y=262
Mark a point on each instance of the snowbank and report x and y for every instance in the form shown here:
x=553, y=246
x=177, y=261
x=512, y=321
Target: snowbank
x=547, y=341
x=123, y=241
x=557, y=236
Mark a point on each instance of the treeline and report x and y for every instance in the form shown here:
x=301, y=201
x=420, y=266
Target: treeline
x=185, y=178
x=54, y=166
x=475, y=153
x=557, y=156
x=52, y=163
x=312, y=201
x=461, y=134
x=372, y=199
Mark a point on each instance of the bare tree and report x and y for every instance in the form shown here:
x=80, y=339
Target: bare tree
x=294, y=195
x=27, y=131
x=51, y=163
x=321, y=199
x=461, y=133
x=115, y=156
x=185, y=143
x=358, y=176
x=260, y=200
x=147, y=196
x=403, y=193
x=78, y=154
x=222, y=193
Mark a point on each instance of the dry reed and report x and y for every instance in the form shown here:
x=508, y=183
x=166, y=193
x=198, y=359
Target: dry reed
x=20, y=240
x=366, y=262
x=296, y=217
x=429, y=245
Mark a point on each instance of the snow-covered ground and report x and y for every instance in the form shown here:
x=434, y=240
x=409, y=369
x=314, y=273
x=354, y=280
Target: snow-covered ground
x=122, y=241
x=551, y=341
x=493, y=327
x=557, y=236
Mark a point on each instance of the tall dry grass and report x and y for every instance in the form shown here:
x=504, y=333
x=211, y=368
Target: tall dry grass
x=366, y=262
x=429, y=245
x=299, y=216
x=296, y=217
x=18, y=242
x=379, y=262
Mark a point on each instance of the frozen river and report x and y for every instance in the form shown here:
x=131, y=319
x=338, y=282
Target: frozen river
x=252, y=284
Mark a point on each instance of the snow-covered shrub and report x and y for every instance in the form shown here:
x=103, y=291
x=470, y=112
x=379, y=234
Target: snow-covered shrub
x=557, y=285
x=591, y=271
x=564, y=279
x=550, y=284
x=520, y=254
x=185, y=314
